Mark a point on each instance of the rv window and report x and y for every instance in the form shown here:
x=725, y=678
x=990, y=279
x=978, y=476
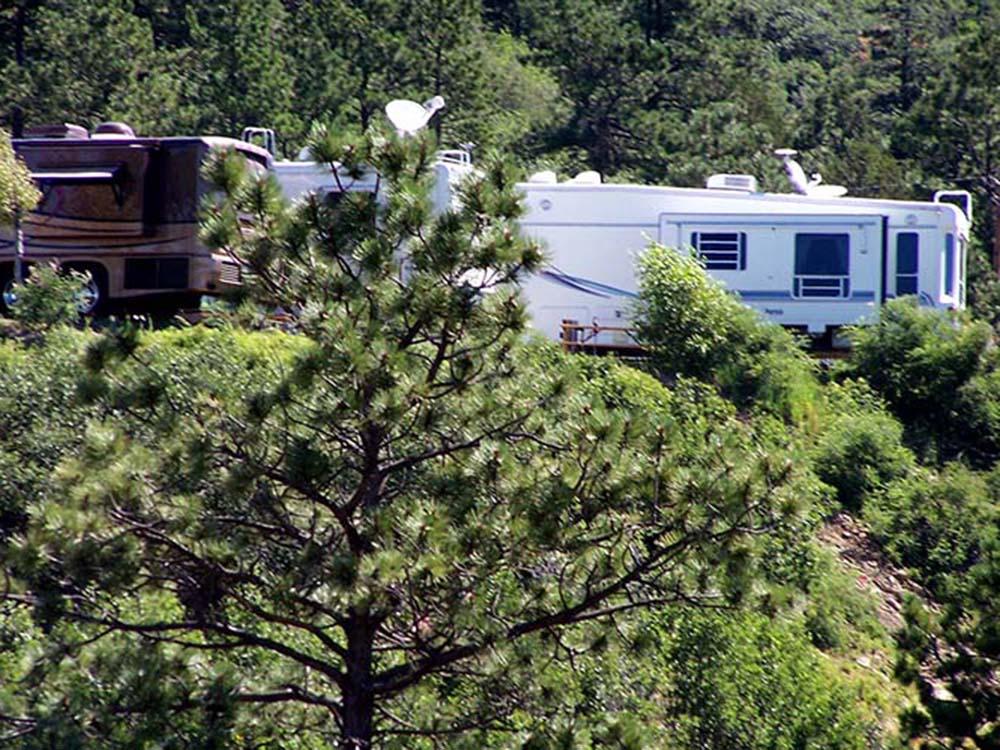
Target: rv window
x=949, y=265
x=822, y=265
x=907, y=252
x=721, y=251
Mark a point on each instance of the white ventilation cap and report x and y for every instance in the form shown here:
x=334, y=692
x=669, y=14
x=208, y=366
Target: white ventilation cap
x=744, y=183
x=547, y=177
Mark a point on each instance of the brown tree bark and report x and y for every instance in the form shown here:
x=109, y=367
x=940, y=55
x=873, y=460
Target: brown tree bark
x=995, y=203
x=358, y=699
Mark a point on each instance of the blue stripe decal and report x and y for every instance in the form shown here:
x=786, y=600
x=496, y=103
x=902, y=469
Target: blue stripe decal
x=565, y=281
x=770, y=294
x=587, y=286
x=762, y=294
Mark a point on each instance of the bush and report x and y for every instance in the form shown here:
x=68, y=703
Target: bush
x=860, y=449
x=933, y=522
x=839, y=617
x=693, y=327
x=929, y=367
x=48, y=297
x=41, y=420
x=742, y=681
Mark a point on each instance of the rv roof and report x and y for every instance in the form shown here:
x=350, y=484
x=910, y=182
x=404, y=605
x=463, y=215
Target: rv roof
x=214, y=142
x=744, y=196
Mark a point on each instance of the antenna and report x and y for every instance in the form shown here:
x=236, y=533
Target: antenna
x=410, y=117
x=802, y=185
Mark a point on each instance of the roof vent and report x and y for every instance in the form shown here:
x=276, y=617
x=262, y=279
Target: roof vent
x=744, y=183
x=111, y=130
x=546, y=177
x=589, y=177
x=57, y=130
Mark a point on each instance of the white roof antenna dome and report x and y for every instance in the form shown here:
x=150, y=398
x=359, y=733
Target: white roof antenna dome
x=410, y=117
x=802, y=185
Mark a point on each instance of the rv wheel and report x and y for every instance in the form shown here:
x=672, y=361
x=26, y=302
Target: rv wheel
x=7, y=297
x=93, y=297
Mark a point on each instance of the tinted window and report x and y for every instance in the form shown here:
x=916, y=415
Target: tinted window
x=156, y=273
x=822, y=254
x=822, y=265
x=907, y=254
x=949, y=264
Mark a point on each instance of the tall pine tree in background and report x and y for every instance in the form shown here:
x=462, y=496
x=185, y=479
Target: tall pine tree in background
x=77, y=57
x=241, y=75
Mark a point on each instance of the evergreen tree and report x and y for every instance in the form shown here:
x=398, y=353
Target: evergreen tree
x=410, y=503
x=76, y=55
x=240, y=73
x=953, y=127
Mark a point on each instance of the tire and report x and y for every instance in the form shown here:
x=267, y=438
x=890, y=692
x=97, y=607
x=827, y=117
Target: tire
x=6, y=282
x=93, y=300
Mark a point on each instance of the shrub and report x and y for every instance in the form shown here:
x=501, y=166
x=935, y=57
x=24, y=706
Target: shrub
x=860, y=449
x=693, y=327
x=743, y=681
x=41, y=420
x=933, y=522
x=928, y=365
x=838, y=616
x=48, y=297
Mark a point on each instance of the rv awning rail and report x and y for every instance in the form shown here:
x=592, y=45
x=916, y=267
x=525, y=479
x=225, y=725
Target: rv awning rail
x=111, y=175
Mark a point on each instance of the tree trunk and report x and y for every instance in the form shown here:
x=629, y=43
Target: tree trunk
x=995, y=201
x=358, y=695
x=17, y=120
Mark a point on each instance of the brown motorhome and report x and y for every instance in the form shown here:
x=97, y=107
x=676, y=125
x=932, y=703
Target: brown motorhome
x=124, y=209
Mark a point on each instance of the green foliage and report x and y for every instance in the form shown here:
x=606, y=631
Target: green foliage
x=239, y=66
x=984, y=286
x=385, y=508
x=936, y=373
x=951, y=654
x=837, y=617
x=932, y=522
x=743, y=681
x=659, y=90
x=202, y=476
x=693, y=327
x=48, y=297
x=17, y=191
x=859, y=449
x=40, y=421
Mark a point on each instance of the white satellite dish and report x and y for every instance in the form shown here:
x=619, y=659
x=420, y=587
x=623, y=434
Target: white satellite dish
x=410, y=117
x=802, y=185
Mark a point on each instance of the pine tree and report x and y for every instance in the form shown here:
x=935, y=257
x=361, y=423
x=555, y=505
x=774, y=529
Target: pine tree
x=384, y=528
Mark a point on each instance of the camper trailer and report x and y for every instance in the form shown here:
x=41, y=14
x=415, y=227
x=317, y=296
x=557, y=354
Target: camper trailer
x=812, y=260
x=124, y=210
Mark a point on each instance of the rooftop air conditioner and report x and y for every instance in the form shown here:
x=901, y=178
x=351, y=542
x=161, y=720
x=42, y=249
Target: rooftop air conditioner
x=742, y=182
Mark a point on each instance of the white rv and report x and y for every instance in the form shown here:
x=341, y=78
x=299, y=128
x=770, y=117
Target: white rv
x=813, y=259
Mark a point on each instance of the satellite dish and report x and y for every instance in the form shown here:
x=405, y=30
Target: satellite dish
x=796, y=175
x=410, y=117
x=827, y=191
